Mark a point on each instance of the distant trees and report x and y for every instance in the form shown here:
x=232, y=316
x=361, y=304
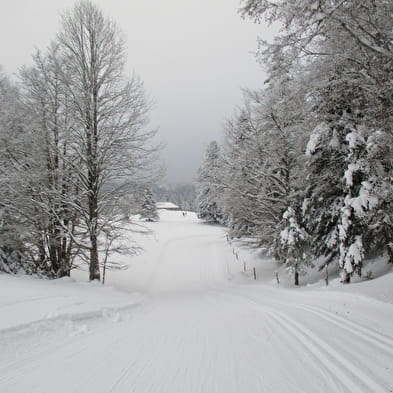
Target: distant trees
x=182, y=195
x=89, y=146
x=307, y=161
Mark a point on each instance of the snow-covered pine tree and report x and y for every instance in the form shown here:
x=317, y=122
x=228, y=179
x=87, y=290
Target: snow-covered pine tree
x=339, y=104
x=292, y=244
x=346, y=173
x=324, y=194
x=148, y=208
x=345, y=52
x=209, y=185
x=378, y=237
x=357, y=201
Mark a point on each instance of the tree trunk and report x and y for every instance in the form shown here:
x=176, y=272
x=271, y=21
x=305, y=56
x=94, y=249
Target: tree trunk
x=296, y=277
x=390, y=254
x=346, y=279
x=94, y=268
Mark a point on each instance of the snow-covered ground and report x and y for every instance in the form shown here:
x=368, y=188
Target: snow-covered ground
x=185, y=318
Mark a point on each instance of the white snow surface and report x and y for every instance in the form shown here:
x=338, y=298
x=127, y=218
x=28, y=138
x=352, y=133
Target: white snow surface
x=166, y=205
x=185, y=318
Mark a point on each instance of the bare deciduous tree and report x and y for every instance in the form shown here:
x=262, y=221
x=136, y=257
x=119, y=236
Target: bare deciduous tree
x=110, y=115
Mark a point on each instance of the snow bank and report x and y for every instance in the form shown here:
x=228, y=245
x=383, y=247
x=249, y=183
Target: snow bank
x=28, y=300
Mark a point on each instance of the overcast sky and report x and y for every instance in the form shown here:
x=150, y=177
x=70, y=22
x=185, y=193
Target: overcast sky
x=193, y=55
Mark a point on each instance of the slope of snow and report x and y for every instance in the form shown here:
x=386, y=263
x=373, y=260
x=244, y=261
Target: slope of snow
x=199, y=325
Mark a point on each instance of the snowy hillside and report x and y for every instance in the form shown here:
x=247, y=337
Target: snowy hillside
x=186, y=318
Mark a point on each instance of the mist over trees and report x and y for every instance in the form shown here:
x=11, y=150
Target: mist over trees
x=75, y=144
x=182, y=195
x=306, y=163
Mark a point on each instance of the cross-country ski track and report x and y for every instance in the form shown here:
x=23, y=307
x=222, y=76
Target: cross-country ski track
x=184, y=319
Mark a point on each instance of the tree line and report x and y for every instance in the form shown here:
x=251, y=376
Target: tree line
x=182, y=195
x=304, y=171
x=76, y=152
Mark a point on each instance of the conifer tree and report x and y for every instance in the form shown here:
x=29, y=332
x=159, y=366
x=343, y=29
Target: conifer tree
x=209, y=185
x=292, y=244
x=148, y=209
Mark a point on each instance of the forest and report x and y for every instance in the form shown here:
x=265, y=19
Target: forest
x=272, y=273
x=304, y=170
x=76, y=151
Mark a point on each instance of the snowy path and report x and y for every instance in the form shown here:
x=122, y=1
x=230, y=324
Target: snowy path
x=197, y=332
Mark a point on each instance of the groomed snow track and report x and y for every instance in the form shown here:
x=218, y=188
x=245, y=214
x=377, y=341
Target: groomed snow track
x=195, y=330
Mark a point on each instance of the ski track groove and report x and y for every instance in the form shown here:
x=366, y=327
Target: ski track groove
x=381, y=341
x=136, y=369
x=327, y=355
x=28, y=360
x=323, y=352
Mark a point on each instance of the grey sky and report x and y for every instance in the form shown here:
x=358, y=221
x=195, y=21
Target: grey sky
x=193, y=55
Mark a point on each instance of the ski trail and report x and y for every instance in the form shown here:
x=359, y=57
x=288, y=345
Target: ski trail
x=330, y=359
x=198, y=331
x=367, y=334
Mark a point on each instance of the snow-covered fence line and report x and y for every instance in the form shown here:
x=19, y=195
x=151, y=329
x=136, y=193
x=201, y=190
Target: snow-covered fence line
x=252, y=269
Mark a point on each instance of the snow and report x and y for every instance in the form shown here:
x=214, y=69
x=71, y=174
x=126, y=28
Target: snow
x=354, y=255
x=166, y=205
x=315, y=138
x=355, y=139
x=365, y=201
x=26, y=301
x=292, y=232
x=345, y=221
x=348, y=174
x=334, y=143
x=186, y=318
